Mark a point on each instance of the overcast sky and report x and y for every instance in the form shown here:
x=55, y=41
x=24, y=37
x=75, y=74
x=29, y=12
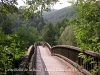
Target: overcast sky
x=58, y=5
x=61, y=4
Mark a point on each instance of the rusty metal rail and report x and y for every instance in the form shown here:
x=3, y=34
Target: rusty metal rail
x=71, y=55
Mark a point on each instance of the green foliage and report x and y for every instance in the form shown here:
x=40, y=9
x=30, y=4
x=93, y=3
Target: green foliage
x=52, y=33
x=48, y=33
x=56, y=15
x=11, y=49
x=37, y=22
x=85, y=58
x=4, y=59
x=30, y=7
x=28, y=34
x=13, y=46
x=95, y=70
x=87, y=32
x=34, y=21
x=67, y=36
x=6, y=24
x=86, y=24
x=6, y=8
x=37, y=6
x=59, y=27
x=90, y=59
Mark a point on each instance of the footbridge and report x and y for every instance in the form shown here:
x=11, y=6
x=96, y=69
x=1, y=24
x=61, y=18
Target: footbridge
x=58, y=60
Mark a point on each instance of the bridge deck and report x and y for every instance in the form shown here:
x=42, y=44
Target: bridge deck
x=52, y=65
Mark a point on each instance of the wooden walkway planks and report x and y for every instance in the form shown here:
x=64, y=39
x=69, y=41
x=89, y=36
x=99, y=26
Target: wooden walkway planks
x=52, y=65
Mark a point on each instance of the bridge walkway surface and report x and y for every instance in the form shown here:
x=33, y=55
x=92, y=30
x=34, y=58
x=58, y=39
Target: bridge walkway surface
x=52, y=65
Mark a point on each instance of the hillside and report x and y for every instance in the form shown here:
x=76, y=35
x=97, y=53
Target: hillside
x=38, y=22
x=45, y=13
x=55, y=15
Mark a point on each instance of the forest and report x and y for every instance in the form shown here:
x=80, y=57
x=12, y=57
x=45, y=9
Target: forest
x=78, y=26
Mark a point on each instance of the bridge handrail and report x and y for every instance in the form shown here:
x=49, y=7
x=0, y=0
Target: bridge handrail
x=47, y=44
x=33, y=61
x=71, y=54
x=25, y=62
x=88, y=52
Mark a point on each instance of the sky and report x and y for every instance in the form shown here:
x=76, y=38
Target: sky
x=58, y=5
x=61, y=4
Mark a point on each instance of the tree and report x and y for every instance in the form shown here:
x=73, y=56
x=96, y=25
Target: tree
x=6, y=24
x=87, y=24
x=11, y=45
x=67, y=36
x=28, y=34
x=11, y=49
x=87, y=32
x=59, y=27
x=48, y=33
